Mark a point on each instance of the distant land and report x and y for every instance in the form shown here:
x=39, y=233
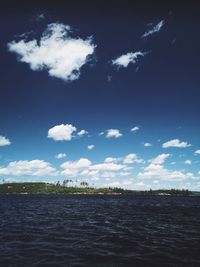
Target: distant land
x=50, y=188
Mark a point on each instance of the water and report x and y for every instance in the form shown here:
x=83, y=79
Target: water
x=99, y=231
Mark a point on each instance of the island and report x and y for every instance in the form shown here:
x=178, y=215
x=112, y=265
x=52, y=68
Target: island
x=84, y=188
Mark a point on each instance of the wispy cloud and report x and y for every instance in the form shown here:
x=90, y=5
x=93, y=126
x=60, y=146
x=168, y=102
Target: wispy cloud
x=153, y=29
x=56, y=51
x=126, y=59
x=111, y=159
x=175, y=143
x=160, y=159
x=101, y=133
x=188, y=162
x=90, y=147
x=197, y=151
x=39, y=17
x=4, y=141
x=109, y=78
x=147, y=144
x=82, y=133
x=60, y=156
x=135, y=129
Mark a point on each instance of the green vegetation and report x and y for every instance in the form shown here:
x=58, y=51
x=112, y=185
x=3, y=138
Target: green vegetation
x=48, y=188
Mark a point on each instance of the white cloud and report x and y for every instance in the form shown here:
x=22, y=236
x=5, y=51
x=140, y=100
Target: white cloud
x=126, y=184
x=128, y=159
x=108, y=174
x=39, y=17
x=84, y=167
x=79, y=164
x=123, y=173
x=160, y=159
x=82, y=133
x=135, y=129
x=90, y=147
x=156, y=170
x=113, y=133
x=72, y=168
x=61, y=132
x=132, y=158
x=175, y=143
x=188, y=162
x=124, y=60
x=4, y=141
x=30, y=168
x=57, y=52
x=107, y=166
x=154, y=29
x=111, y=159
x=60, y=156
x=197, y=152
x=147, y=144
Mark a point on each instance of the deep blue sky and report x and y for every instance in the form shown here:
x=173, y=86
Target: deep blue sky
x=159, y=94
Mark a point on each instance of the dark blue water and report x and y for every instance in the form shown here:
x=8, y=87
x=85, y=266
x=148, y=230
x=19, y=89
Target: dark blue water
x=99, y=231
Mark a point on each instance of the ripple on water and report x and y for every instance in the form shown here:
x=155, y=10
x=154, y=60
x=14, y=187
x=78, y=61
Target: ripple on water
x=99, y=231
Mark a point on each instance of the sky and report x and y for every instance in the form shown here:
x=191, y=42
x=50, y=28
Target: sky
x=101, y=92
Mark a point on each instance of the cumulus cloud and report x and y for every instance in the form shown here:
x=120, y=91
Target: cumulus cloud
x=156, y=170
x=84, y=167
x=4, y=141
x=90, y=147
x=154, y=29
x=107, y=166
x=147, y=144
x=81, y=163
x=135, y=129
x=30, y=168
x=62, y=132
x=72, y=168
x=128, y=159
x=56, y=51
x=175, y=143
x=113, y=133
x=125, y=60
x=132, y=158
x=197, y=152
x=60, y=156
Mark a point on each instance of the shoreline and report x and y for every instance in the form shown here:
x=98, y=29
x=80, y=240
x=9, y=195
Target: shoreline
x=36, y=188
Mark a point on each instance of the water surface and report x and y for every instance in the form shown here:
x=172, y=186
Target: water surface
x=38, y=230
